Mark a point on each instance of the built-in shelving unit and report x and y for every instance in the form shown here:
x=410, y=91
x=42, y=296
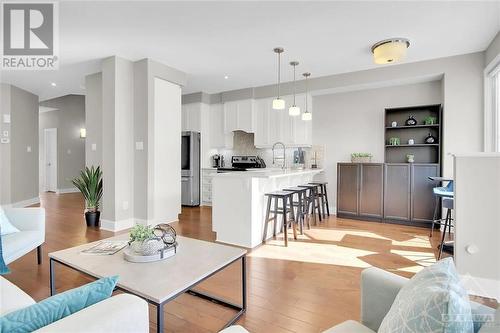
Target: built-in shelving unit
x=424, y=153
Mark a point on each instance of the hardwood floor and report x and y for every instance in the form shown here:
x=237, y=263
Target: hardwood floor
x=308, y=287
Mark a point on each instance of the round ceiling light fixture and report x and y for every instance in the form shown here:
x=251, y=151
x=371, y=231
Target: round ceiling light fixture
x=390, y=50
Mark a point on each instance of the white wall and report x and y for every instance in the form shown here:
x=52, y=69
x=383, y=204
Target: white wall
x=167, y=151
x=68, y=119
x=493, y=49
x=93, y=117
x=354, y=122
x=19, y=157
x=477, y=221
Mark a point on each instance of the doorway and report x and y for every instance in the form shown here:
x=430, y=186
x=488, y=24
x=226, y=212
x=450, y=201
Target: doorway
x=50, y=159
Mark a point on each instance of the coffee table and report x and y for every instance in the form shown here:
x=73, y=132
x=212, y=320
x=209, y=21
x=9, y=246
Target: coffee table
x=162, y=281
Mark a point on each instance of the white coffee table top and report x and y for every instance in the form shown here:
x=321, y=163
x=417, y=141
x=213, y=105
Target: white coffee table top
x=156, y=281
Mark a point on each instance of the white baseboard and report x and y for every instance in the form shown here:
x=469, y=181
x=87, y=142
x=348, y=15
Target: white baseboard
x=67, y=190
x=117, y=225
x=23, y=203
x=126, y=224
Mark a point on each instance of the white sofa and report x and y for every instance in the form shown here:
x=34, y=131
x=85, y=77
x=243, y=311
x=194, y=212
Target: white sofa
x=123, y=313
x=378, y=291
x=31, y=223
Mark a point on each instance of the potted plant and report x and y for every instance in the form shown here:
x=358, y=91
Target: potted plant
x=90, y=184
x=361, y=157
x=143, y=240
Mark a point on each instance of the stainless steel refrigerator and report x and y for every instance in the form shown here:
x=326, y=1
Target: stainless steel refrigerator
x=190, y=166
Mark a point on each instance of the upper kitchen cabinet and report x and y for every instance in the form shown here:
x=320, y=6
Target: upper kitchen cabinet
x=239, y=116
x=191, y=117
x=276, y=125
x=218, y=137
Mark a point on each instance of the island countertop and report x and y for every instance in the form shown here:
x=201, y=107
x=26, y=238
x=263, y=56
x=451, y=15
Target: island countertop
x=267, y=173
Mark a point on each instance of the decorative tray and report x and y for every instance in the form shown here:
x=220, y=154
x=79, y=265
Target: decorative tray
x=132, y=256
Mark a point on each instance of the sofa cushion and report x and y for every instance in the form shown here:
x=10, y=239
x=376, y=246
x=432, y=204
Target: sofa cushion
x=12, y=298
x=57, y=307
x=433, y=300
x=5, y=226
x=349, y=326
x=18, y=244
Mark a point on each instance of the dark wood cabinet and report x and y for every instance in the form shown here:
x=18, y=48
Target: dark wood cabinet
x=347, y=188
x=388, y=192
x=397, y=191
x=371, y=190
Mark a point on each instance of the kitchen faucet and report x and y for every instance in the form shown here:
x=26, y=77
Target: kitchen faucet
x=283, y=157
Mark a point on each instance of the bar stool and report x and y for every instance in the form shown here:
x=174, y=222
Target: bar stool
x=448, y=203
x=301, y=205
x=323, y=195
x=313, y=202
x=440, y=192
x=286, y=197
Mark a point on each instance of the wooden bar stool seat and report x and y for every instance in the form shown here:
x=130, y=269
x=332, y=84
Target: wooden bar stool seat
x=285, y=210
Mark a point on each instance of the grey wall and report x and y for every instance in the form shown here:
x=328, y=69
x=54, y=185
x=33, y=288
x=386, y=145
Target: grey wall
x=493, y=49
x=17, y=163
x=354, y=122
x=93, y=115
x=68, y=119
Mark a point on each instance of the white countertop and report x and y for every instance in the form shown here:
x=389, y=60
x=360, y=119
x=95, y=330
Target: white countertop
x=267, y=173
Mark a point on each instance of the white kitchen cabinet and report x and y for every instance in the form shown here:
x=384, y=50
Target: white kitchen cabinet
x=239, y=116
x=191, y=117
x=206, y=186
x=219, y=138
x=276, y=125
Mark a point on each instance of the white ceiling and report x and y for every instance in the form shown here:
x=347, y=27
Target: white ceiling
x=209, y=40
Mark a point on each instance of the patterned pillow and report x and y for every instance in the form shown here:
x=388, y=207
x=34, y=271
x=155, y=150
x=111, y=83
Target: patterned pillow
x=433, y=301
x=52, y=309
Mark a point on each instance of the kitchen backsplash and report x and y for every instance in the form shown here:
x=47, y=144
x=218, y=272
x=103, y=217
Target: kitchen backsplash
x=243, y=144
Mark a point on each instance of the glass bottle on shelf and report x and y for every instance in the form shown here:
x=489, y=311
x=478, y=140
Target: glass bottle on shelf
x=430, y=139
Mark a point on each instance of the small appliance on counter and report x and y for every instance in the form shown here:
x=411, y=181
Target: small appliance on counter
x=217, y=161
x=243, y=163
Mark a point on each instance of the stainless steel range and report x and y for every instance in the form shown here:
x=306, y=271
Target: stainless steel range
x=244, y=163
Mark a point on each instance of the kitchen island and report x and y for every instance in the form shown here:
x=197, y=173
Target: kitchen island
x=239, y=203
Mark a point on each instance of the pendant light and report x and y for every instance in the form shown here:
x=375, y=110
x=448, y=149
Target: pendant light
x=294, y=110
x=307, y=115
x=390, y=50
x=278, y=102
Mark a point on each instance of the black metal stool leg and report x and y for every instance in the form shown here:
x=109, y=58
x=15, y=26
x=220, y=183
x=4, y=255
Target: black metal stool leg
x=447, y=220
x=326, y=199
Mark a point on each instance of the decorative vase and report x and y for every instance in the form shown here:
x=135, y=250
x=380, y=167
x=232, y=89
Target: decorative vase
x=147, y=247
x=394, y=124
x=411, y=121
x=93, y=219
x=394, y=141
x=430, y=139
x=411, y=142
x=410, y=158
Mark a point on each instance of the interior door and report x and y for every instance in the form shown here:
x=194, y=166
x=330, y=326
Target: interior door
x=50, y=159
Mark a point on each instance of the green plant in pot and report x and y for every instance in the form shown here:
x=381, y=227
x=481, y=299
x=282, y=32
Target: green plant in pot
x=143, y=241
x=90, y=184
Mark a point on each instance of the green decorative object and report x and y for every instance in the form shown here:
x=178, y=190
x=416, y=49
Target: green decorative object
x=141, y=233
x=361, y=157
x=410, y=158
x=394, y=141
x=90, y=184
x=429, y=120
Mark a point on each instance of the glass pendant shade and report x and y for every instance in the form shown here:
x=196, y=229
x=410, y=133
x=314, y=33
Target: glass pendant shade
x=307, y=116
x=390, y=51
x=294, y=111
x=278, y=104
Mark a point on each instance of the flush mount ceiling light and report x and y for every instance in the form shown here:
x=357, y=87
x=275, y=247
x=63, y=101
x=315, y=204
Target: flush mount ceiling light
x=390, y=50
x=294, y=110
x=53, y=84
x=278, y=103
x=226, y=77
x=307, y=115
